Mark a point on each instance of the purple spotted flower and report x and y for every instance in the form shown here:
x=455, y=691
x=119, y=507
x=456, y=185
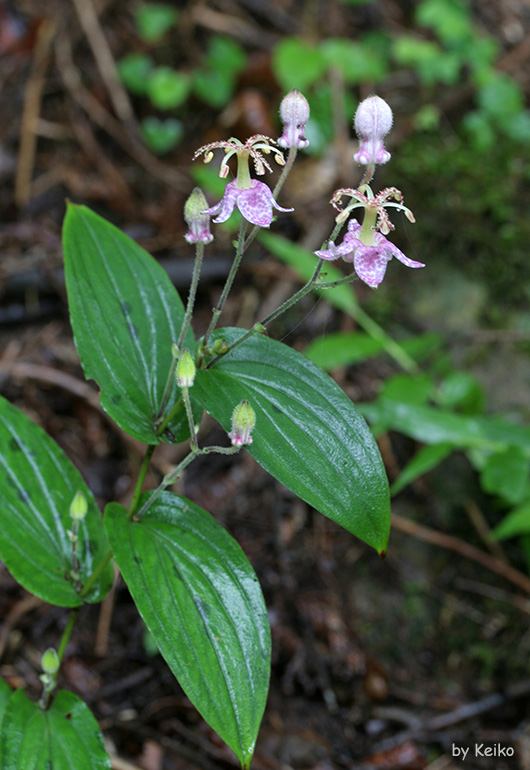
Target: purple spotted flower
x=366, y=245
x=369, y=261
x=255, y=203
x=254, y=199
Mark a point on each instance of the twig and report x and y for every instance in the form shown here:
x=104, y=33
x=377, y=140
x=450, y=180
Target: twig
x=493, y=592
x=21, y=608
x=104, y=60
x=30, y=114
x=451, y=718
x=451, y=543
x=101, y=646
x=476, y=517
x=46, y=374
x=108, y=122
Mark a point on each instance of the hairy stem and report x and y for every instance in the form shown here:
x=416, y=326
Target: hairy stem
x=189, y=414
x=199, y=253
x=272, y=316
x=100, y=568
x=140, y=480
x=228, y=284
x=50, y=685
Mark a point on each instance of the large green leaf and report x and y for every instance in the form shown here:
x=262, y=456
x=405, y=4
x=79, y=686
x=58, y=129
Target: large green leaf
x=125, y=314
x=38, y=483
x=63, y=737
x=308, y=434
x=202, y=602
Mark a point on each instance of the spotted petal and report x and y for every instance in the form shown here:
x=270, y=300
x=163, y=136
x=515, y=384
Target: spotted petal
x=256, y=204
x=393, y=251
x=328, y=254
x=370, y=265
x=226, y=205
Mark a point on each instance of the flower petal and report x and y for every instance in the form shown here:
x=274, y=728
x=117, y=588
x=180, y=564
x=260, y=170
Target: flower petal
x=225, y=206
x=255, y=204
x=353, y=226
x=393, y=251
x=370, y=265
x=328, y=254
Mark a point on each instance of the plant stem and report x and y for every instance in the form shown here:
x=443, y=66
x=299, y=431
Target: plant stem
x=140, y=480
x=272, y=316
x=67, y=633
x=97, y=572
x=168, y=479
x=228, y=284
x=339, y=282
x=191, y=421
x=199, y=253
x=167, y=419
x=51, y=683
x=368, y=175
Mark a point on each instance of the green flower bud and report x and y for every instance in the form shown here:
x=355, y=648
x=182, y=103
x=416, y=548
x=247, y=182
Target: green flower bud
x=185, y=370
x=50, y=662
x=197, y=221
x=243, y=422
x=78, y=507
x=219, y=347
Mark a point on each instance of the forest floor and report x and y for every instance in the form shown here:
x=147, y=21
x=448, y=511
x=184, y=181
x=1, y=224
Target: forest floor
x=397, y=663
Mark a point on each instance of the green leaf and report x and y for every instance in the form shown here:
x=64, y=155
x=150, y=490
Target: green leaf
x=168, y=88
x=202, y=602
x=38, y=484
x=153, y=20
x=125, y=313
x=161, y=135
x=517, y=522
x=450, y=19
x=460, y=390
x=297, y=64
x=410, y=388
x=501, y=97
x=214, y=87
x=134, y=70
x=308, y=434
x=342, y=349
x=226, y=54
x=62, y=737
x=356, y=61
x=424, y=460
x=435, y=426
x=506, y=474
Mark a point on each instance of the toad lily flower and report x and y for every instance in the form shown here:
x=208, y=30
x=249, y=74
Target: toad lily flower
x=253, y=198
x=373, y=121
x=368, y=249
